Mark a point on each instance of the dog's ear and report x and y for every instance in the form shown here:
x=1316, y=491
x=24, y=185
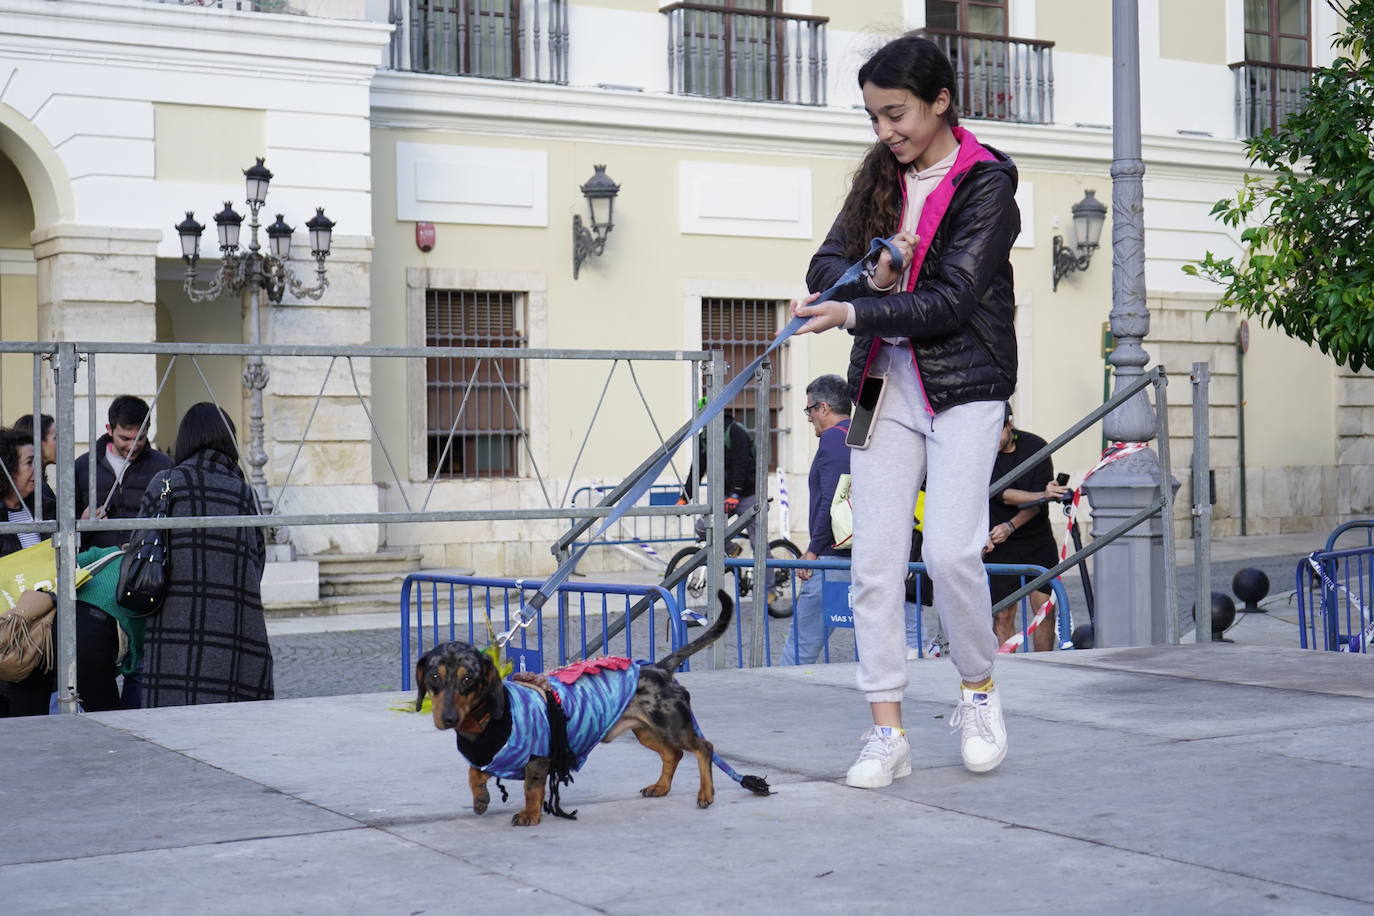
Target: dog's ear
x=420, y=666
x=495, y=686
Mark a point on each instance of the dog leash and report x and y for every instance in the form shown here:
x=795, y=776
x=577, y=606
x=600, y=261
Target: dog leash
x=526, y=615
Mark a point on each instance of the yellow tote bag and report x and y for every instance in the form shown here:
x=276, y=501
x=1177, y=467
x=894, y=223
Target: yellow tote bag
x=31, y=569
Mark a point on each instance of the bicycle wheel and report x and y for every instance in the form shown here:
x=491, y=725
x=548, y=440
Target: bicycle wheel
x=696, y=579
x=780, y=588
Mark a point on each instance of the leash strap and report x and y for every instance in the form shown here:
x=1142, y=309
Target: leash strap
x=525, y=616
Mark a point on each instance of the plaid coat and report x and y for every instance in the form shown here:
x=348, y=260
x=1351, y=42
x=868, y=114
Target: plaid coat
x=208, y=644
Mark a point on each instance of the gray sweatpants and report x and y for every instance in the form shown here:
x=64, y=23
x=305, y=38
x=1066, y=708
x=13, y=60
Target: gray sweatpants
x=953, y=452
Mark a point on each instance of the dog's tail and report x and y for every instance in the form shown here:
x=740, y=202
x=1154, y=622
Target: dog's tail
x=715, y=631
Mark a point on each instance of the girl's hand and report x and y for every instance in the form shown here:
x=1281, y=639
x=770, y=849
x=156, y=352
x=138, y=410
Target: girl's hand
x=883, y=274
x=823, y=315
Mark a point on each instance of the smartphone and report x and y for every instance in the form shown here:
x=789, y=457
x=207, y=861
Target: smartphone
x=866, y=411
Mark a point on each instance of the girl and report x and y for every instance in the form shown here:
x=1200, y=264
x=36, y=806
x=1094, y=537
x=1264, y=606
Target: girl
x=938, y=333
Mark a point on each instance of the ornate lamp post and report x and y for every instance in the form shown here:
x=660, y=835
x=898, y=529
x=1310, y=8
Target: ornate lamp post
x=256, y=272
x=600, y=192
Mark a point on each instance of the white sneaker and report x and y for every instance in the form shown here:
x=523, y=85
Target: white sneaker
x=912, y=654
x=984, y=740
x=886, y=756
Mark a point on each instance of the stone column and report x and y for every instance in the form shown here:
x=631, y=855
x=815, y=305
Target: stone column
x=97, y=283
x=333, y=472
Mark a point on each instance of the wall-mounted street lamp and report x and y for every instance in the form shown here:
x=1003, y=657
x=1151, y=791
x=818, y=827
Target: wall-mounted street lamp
x=256, y=271
x=600, y=192
x=1088, y=216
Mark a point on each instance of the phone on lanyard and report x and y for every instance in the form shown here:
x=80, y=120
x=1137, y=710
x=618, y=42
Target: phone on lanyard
x=866, y=411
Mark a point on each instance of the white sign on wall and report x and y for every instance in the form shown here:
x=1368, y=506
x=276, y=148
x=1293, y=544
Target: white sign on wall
x=441, y=183
x=747, y=200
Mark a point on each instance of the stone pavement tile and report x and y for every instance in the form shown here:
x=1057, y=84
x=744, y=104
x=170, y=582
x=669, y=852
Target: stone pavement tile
x=1338, y=744
x=350, y=871
x=823, y=848
x=103, y=791
x=1218, y=805
x=1306, y=670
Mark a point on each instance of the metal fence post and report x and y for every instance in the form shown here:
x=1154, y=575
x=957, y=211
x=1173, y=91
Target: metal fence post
x=1202, y=505
x=758, y=594
x=66, y=526
x=715, y=492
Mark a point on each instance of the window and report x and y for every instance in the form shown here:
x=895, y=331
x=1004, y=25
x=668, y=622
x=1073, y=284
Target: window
x=746, y=49
x=466, y=37
x=487, y=428
x=1277, y=32
x=986, y=17
x=1272, y=81
x=742, y=329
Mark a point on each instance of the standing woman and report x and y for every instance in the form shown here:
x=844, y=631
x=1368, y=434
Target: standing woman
x=208, y=644
x=940, y=335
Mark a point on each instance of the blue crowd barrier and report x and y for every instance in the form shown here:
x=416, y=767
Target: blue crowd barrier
x=1025, y=573
x=1334, y=589
x=499, y=600
x=1364, y=526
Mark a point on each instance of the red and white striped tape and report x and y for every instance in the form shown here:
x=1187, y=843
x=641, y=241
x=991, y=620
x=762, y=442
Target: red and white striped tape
x=1115, y=452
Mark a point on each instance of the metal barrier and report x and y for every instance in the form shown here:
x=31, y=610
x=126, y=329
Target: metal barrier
x=641, y=529
x=1365, y=525
x=762, y=625
x=506, y=597
x=1334, y=589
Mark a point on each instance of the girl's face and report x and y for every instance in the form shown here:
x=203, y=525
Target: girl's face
x=23, y=475
x=906, y=124
x=50, y=446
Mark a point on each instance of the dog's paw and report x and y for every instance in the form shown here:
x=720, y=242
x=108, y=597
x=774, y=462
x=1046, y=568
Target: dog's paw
x=705, y=797
x=480, y=802
x=654, y=791
x=525, y=819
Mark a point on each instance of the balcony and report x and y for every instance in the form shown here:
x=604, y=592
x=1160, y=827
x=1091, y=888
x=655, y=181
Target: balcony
x=497, y=39
x=1266, y=94
x=1000, y=78
x=749, y=55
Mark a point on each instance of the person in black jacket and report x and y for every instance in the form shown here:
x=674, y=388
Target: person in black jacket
x=125, y=463
x=740, y=486
x=937, y=332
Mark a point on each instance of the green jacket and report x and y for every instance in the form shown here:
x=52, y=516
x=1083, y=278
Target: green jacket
x=100, y=591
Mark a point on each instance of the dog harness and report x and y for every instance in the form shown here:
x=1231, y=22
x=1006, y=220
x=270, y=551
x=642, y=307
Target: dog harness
x=592, y=695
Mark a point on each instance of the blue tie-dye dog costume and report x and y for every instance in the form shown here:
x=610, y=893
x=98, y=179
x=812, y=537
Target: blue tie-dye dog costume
x=593, y=702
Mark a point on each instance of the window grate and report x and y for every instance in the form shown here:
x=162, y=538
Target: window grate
x=488, y=432
x=742, y=329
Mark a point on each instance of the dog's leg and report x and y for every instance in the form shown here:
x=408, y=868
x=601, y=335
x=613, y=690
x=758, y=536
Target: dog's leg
x=706, y=793
x=670, y=755
x=477, y=782
x=536, y=775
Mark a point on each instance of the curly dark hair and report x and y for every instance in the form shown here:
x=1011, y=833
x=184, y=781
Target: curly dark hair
x=874, y=203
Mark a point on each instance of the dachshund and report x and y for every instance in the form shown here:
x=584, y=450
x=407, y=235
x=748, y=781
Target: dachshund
x=542, y=727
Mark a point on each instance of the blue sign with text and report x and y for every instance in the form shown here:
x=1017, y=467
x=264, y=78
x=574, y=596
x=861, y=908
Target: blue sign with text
x=838, y=603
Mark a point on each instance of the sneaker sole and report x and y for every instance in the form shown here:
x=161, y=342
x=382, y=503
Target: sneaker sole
x=989, y=766
x=903, y=770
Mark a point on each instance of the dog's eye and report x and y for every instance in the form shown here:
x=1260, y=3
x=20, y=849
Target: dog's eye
x=434, y=679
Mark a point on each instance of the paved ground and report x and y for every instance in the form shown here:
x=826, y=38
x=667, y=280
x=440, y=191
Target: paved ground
x=1211, y=779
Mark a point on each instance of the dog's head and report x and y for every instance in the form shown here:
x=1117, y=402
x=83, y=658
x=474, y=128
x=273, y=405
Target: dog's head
x=466, y=687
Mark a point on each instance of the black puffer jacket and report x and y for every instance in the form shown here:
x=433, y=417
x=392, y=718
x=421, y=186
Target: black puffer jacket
x=960, y=318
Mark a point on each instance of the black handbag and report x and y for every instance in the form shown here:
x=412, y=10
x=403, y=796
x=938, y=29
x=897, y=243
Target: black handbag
x=145, y=567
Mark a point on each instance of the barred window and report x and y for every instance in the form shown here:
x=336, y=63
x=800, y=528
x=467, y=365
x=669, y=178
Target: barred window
x=486, y=430
x=742, y=329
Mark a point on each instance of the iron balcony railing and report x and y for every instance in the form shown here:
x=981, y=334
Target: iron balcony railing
x=253, y=6
x=1266, y=94
x=999, y=78
x=751, y=55
x=497, y=39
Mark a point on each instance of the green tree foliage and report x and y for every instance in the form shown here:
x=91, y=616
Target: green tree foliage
x=1308, y=227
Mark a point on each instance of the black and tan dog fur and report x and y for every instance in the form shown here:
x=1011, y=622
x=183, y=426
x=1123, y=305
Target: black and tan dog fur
x=470, y=698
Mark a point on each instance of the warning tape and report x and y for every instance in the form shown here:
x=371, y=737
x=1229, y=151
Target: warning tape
x=1114, y=452
x=1353, y=643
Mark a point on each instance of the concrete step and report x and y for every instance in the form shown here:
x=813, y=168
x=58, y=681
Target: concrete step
x=383, y=561
x=362, y=583
x=338, y=604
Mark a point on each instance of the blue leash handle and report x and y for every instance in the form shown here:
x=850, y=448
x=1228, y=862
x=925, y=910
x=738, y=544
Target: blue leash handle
x=669, y=448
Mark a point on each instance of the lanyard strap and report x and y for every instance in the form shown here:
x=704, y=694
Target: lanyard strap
x=666, y=451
